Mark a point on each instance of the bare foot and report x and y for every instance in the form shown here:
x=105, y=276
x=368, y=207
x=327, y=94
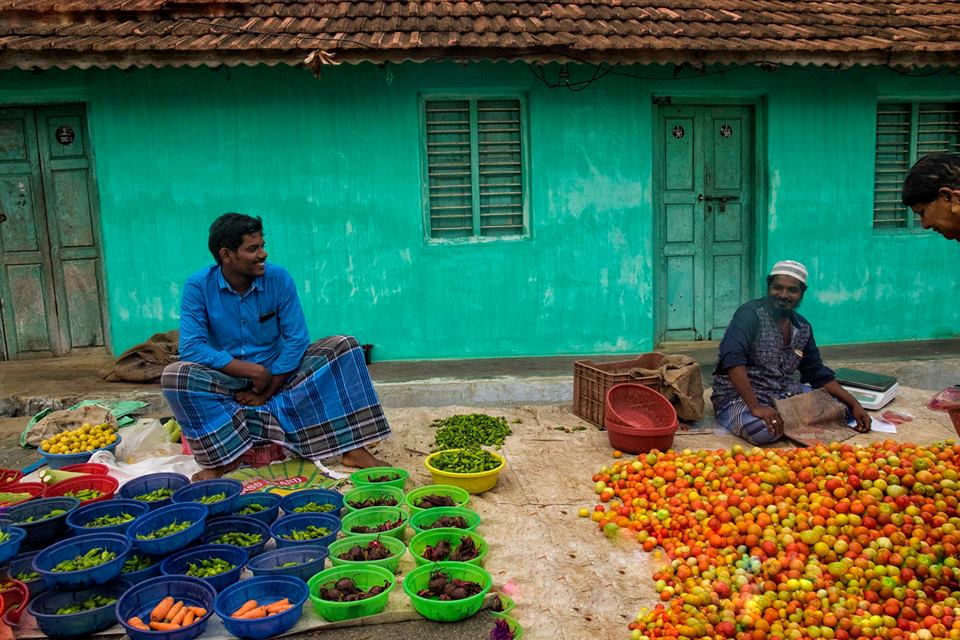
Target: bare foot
x=362, y=459
x=216, y=472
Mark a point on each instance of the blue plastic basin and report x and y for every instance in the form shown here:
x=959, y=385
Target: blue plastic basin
x=265, y=590
x=152, y=482
x=243, y=524
x=178, y=564
x=61, y=460
x=139, y=601
x=190, y=512
x=46, y=560
x=42, y=532
x=44, y=608
x=320, y=496
x=286, y=524
x=11, y=546
x=193, y=492
x=78, y=518
x=138, y=576
x=270, y=502
x=310, y=558
x=24, y=563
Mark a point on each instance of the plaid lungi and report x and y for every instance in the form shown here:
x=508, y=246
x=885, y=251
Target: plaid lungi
x=327, y=407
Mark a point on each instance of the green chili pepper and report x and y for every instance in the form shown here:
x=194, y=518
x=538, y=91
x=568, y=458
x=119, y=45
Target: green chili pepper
x=239, y=539
x=84, y=494
x=92, y=558
x=253, y=507
x=209, y=567
x=466, y=461
x=312, y=532
x=173, y=527
x=313, y=507
x=135, y=563
x=109, y=521
x=93, y=602
x=27, y=576
x=51, y=514
x=156, y=494
x=470, y=431
x=216, y=497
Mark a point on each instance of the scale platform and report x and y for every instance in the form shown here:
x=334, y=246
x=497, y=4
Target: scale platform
x=871, y=399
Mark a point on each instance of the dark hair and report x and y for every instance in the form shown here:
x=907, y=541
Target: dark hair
x=803, y=285
x=928, y=176
x=228, y=231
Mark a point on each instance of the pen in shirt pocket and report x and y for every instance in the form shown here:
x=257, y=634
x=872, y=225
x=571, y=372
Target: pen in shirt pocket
x=267, y=316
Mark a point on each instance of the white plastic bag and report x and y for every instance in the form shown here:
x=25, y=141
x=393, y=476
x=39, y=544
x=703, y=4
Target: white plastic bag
x=145, y=448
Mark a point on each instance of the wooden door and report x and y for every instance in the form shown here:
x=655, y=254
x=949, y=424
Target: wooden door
x=704, y=182
x=50, y=280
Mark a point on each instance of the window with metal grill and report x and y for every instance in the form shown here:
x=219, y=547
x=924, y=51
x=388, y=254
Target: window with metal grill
x=475, y=168
x=907, y=131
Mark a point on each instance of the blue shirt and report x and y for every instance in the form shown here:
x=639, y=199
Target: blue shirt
x=265, y=325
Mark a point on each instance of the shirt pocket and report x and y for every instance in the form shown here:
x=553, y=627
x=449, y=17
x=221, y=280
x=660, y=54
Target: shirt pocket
x=269, y=331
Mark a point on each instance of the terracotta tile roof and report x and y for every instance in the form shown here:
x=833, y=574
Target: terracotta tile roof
x=63, y=33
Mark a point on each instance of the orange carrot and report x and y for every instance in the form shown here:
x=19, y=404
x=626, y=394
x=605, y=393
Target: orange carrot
x=259, y=612
x=174, y=610
x=189, y=618
x=137, y=623
x=249, y=604
x=279, y=604
x=160, y=611
x=280, y=609
x=178, y=619
x=198, y=611
x=164, y=626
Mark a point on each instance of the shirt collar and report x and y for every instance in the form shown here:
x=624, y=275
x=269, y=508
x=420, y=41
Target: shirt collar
x=223, y=285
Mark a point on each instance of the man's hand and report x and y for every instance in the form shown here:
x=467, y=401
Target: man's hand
x=251, y=398
x=259, y=375
x=771, y=417
x=862, y=417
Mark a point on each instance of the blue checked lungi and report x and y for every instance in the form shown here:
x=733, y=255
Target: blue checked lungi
x=327, y=407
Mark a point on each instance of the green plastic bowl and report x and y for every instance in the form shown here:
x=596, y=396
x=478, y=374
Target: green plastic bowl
x=392, y=564
x=425, y=517
x=375, y=516
x=367, y=491
x=362, y=477
x=449, y=610
x=364, y=577
x=506, y=604
x=512, y=622
x=419, y=543
x=459, y=496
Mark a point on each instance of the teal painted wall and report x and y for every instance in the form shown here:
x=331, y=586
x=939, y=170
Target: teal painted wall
x=333, y=166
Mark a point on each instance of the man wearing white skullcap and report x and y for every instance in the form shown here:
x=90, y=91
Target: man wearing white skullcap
x=766, y=342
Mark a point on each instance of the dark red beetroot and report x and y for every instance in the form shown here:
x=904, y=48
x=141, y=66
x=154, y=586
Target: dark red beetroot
x=434, y=500
x=384, y=478
x=466, y=550
x=375, y=550
x=382, y=501
x=443, y=588
x=346, y=590
x=457, y=522
x=386, y=526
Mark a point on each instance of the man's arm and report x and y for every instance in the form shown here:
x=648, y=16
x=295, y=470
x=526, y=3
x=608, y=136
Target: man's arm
x=820, y=376
x=195, y=331
x=770, y=416
x=859, y=413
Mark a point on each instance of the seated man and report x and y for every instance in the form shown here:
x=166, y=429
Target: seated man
x=248, y=373
x=764, y=345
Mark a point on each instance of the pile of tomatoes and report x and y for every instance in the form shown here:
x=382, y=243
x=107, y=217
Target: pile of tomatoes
x=833, y=542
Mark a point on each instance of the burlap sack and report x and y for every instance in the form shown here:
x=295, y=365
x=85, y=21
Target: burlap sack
x=681, y=383
x=145, y=362
x=66, y=419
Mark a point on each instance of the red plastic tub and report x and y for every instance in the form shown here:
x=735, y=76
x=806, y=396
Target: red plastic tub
x=89, y=468
x=9, y=476
x=35, y=489
x=105, y=484
x=631, y=440
x=15, y=599
x=639, y=407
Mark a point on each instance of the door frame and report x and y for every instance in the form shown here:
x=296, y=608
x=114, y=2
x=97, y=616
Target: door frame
x=59, y=99
x=760, y=222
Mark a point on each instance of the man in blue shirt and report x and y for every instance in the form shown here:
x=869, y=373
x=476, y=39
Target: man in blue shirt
x=248, y=373
x=765, y=344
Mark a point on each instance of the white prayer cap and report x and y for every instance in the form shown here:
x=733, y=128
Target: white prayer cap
x=790, y=268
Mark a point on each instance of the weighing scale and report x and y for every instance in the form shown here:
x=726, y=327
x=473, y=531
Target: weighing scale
x=872, y=390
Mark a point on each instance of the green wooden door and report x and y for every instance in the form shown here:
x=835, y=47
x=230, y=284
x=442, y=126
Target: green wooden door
x=50, y=281
x=704, y=183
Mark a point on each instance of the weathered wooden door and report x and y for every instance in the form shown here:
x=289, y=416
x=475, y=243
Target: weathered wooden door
x=50, y=281
x=705, y=183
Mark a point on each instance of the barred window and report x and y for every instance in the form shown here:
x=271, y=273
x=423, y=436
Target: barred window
x=475, y=168
x=907, y=131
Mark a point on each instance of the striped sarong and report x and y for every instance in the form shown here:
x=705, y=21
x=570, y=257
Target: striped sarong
x=327, y=407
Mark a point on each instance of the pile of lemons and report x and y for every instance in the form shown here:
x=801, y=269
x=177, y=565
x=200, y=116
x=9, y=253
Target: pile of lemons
x=86, y=438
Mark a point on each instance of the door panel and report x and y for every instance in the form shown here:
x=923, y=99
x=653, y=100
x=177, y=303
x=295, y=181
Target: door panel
x=27, y=302
x=68, y=190
x=705, y=167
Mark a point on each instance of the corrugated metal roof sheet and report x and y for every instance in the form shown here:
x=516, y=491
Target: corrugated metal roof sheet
x=84, y=33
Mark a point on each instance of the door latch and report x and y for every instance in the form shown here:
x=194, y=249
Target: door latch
x=723, y=200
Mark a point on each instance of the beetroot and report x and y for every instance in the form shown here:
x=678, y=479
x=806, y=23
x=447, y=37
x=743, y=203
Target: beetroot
x=466, y=550
x=386, y=526
x=382, y=501
x=384, y=478
x=443, y=588
x=375, y=550
x=457, y=522
x=435, y=500
x=346, y=590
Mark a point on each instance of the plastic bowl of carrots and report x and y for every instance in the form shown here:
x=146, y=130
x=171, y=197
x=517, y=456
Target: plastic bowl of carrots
x=261, y=607
x=178, y=607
